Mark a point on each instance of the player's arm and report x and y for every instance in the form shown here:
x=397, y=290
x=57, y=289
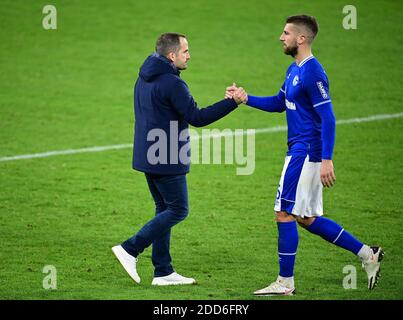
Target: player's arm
x=317, y=88
x=268, y=104
x=326, y=114
x=328, y=138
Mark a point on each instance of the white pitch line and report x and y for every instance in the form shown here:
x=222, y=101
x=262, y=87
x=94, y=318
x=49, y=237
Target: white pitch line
x=68, y=151
x=377, y=117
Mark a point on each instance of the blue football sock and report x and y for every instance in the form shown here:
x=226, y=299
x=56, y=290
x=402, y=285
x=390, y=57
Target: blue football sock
x=334, y=233
x=287, y=247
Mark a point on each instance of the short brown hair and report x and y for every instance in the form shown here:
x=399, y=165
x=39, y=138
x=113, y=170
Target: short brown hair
x=306, y=21
x=168, y=42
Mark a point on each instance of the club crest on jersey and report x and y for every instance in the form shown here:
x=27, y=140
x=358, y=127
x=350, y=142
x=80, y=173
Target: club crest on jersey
x=295, y=81
x=322, y=89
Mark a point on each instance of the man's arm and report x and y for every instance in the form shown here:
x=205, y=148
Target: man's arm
x=328, y=138
x=328, y=130
x=184, y=104
x=317, y=89
x=268, y=104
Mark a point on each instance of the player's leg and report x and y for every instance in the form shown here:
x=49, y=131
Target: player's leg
x=314, y=222
x=334, y=233
x=310, y=210
x=287, y=228
x=287, y=247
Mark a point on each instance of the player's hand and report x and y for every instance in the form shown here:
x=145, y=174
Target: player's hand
x=240, y=96
x=229, y=92
x=327, y=176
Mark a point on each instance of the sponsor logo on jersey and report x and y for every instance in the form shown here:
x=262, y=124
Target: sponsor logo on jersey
x=290, y=105
x=295, y=81
x=322, y=90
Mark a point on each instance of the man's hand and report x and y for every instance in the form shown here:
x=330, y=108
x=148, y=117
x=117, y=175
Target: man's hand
x=229, y=91
x=238, y=94
x=327, y=176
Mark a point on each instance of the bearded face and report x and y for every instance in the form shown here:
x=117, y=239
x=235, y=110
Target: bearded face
x=289, y=38
x=291, y=49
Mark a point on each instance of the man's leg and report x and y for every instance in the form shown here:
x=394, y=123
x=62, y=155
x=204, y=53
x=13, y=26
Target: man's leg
x=334, y=233
x=287, y=227
x=287, y=250
x=287, y=245
x=173, y=190
x=161, y=257
x=310, y=217
x=164, y=274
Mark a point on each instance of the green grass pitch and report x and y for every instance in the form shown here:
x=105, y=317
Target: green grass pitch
x=71, y=88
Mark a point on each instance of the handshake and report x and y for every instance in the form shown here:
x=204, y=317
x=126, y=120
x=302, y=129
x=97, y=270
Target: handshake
x=238, y=94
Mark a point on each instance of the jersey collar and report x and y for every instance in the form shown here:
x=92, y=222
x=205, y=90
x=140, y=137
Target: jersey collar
x=305, y=60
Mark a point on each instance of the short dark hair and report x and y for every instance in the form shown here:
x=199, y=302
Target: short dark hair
x=168, y=42
x=308, y=22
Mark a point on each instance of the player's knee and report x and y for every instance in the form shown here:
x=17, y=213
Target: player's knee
x=305, y=222
x=282, y=216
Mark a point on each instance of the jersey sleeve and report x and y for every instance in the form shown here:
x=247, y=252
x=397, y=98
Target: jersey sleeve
x=316, y=86
x=269, y=104
x=328, y=119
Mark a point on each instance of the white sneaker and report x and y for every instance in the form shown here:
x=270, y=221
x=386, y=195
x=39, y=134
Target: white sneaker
x=127, y=261
x=278, y=288
x=172, y=279
x=372, y=266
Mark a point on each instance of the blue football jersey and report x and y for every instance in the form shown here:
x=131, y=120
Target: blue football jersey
x=306, y=87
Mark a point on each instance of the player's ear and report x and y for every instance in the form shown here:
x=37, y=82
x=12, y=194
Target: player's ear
x=301, y=39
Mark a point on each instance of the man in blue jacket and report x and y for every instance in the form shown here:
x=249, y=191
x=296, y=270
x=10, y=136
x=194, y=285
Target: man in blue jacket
x=163, y=109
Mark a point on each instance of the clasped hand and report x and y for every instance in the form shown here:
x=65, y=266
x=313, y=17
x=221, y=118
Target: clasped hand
x=238, y=94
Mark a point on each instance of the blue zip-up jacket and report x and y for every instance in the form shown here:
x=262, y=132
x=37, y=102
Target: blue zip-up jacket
x=163, y=108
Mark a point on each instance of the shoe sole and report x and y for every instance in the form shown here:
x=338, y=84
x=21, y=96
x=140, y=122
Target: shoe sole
x=122, y=264
x=173, y=284
x=374, y=281
x=272, y=294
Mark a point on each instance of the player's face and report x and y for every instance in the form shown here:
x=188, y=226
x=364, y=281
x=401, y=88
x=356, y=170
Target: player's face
x=289, y=39
x=181, y=58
